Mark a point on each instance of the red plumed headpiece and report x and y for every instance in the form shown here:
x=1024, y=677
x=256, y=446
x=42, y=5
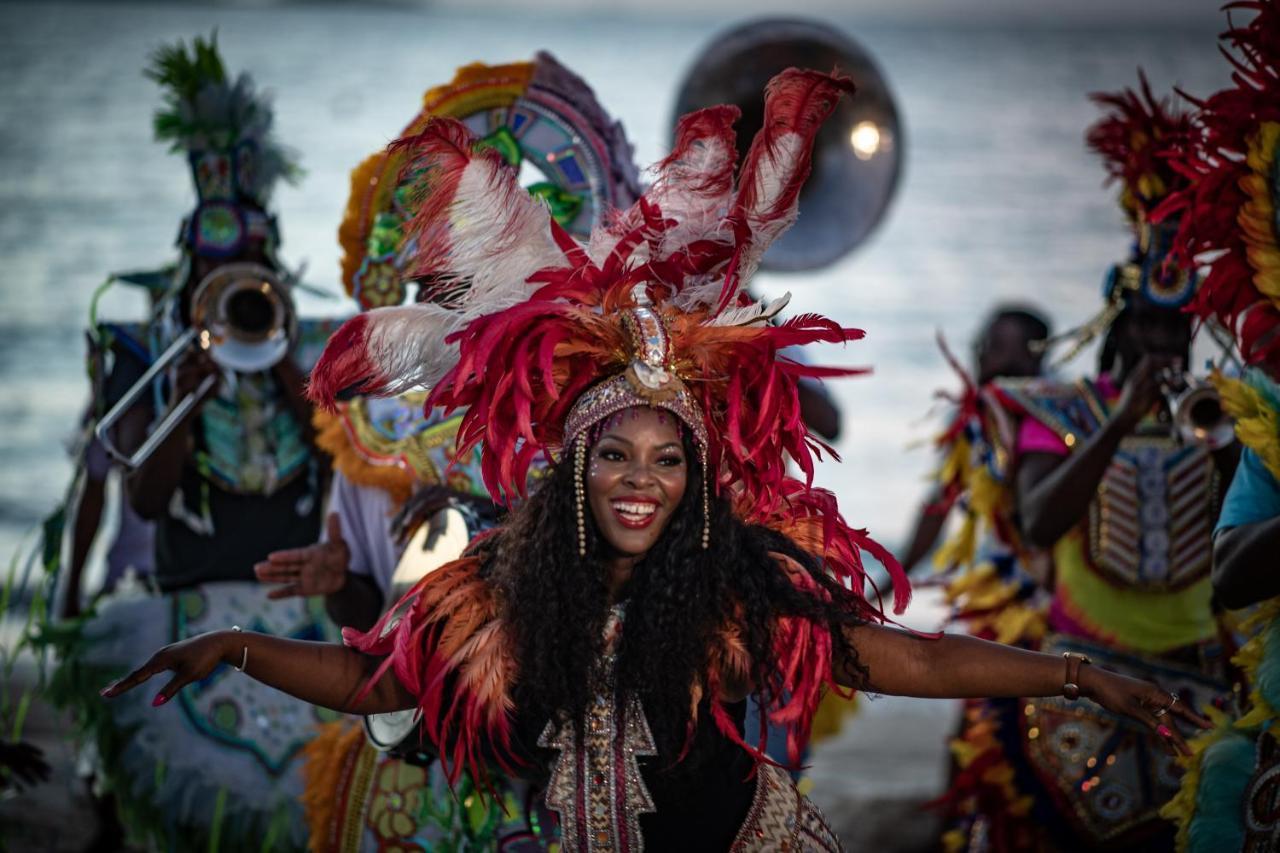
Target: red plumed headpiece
x=1230, y=207
x=537, y=336
x=1133, y=140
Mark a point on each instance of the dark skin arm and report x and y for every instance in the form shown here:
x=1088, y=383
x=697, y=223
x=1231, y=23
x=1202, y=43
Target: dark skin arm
x=929, y=523
x=88, y=517
x=1244, y=564
x=1054, y=492
x=325, y=674
x=152, y=485
x=960, y=667
x=358, y=605
x=899, y=663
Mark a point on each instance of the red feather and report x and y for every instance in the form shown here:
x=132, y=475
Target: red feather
x=344, y=366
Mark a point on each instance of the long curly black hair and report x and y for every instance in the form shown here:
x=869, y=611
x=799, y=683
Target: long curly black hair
x=678, y=599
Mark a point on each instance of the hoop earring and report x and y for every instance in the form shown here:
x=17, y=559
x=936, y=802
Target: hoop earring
x=580, y=490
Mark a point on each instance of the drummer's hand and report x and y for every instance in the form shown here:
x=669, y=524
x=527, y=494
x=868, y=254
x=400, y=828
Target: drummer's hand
x=319, y=569
x=1148, y=703
x=190, y=660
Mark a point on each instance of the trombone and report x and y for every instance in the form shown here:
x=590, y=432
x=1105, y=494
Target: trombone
x=243, y=317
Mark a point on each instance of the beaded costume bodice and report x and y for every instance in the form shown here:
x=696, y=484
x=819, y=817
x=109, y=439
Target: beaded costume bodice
x=596, y=786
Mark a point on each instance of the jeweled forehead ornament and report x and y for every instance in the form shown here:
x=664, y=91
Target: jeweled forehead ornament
x=649, y=380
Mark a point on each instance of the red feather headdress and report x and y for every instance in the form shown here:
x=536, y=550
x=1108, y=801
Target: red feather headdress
x=1230, y=207
x=1133, y=139
x=541, y=336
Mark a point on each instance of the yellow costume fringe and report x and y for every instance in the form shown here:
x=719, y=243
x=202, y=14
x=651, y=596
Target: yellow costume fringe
x=1257, y=421
x=325, y=758
x=332, y=437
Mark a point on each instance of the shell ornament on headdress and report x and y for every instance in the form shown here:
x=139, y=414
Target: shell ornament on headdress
x=1229, y=213
x=224, y=129
x=1133, y=139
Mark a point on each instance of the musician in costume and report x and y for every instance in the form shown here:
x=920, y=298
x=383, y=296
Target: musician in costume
x=1126, y=503
x=235, y=478
x=1228, y=798
x=399, y=493
x=605, y=638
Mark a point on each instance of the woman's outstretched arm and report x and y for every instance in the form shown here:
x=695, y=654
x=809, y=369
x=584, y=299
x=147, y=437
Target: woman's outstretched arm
x=959, y=667
x=324, y=674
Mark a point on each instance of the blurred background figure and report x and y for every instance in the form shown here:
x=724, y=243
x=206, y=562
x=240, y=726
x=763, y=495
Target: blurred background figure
x=1009, y=345
x=209, y=419
x=1110, y=479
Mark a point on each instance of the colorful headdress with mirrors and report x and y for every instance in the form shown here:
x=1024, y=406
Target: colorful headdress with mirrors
x=224, y=128
x=540, y=336
x=1133, y=139
x=1228, y=214
x=539, y=116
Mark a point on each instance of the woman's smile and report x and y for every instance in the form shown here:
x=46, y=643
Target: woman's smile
x=635, y=512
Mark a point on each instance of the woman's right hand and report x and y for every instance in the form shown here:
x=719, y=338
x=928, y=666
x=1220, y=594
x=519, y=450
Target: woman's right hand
x=190, y=660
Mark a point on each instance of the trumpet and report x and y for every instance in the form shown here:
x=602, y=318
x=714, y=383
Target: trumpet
x=1197, y=412
x=243, y=317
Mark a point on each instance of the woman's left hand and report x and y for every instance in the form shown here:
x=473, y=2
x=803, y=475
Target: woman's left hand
x=1148, y=703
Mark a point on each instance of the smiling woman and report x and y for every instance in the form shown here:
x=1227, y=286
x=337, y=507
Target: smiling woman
x=602, y=642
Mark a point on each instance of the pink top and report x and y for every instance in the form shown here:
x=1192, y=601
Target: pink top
x=1035, y=437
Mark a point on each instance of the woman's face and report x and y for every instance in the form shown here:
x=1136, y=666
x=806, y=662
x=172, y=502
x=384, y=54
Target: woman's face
x=636, y=477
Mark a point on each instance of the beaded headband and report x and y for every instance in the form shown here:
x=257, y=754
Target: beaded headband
x=649, y=380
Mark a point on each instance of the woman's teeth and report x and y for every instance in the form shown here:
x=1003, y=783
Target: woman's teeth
x=634, y=511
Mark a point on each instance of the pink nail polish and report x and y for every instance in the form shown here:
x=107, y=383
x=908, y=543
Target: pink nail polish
x=159, y=700
x=1164, y=731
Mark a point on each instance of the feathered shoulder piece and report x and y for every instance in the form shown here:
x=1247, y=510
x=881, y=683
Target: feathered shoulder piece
x=1133, y=138
x=449, y=647
x=1229, y=211
x=975, y=448
x=223, y=126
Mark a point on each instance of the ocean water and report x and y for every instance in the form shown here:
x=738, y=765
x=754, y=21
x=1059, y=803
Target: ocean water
x=999, y=198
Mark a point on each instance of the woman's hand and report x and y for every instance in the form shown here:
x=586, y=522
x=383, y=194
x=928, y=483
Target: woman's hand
x=1149, y=704
x=190, y=660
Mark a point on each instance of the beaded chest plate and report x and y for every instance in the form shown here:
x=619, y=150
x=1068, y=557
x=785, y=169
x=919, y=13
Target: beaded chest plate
x=1151, y=524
